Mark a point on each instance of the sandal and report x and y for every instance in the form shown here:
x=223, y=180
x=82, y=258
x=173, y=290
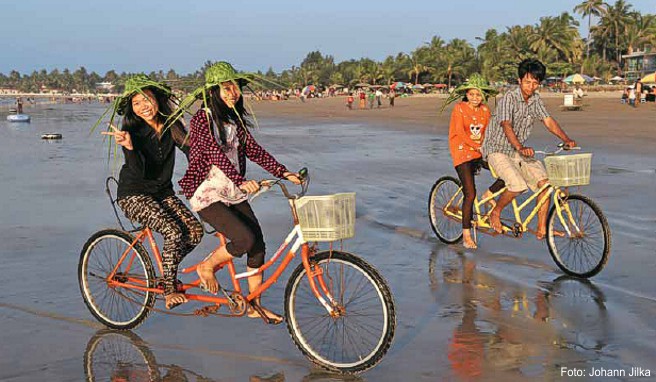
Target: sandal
x=267, y=320
x=173, y=305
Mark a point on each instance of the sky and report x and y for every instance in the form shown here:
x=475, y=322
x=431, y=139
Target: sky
x=152, y=35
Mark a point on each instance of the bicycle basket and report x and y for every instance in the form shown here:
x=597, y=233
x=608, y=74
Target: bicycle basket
x=568, y=170
x=327, y=217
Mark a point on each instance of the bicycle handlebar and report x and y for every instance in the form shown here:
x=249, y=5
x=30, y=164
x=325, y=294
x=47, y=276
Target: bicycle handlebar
x=561, y=147
x=266, y=184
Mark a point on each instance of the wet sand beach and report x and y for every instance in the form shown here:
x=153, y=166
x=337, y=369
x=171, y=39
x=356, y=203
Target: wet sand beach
x=504, y=312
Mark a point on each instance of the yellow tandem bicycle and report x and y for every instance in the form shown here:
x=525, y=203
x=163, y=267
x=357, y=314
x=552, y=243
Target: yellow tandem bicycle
x=578, y=235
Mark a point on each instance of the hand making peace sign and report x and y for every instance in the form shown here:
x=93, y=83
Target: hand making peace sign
x=122, y=137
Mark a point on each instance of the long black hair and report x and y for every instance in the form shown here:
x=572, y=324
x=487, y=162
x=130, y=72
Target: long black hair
x=165, y=108
x=222, y=114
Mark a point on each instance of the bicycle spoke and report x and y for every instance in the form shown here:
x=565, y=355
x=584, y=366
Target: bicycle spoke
x=348, y=338
x=583, y=250
x=113, y=304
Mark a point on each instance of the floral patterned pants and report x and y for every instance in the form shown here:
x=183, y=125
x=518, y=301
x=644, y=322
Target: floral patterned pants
x=169, y=216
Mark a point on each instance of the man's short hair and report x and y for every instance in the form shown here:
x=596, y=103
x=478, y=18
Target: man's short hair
x=533, y=67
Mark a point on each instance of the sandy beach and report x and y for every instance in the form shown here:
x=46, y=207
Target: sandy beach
x=502, y=312
x=602, y=120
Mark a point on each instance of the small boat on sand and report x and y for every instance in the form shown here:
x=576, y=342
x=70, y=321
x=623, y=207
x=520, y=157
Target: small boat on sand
x=18, y=118
x=51, y=136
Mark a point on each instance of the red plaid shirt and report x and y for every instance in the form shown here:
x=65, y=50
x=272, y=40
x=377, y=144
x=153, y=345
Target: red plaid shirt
x=205, y=152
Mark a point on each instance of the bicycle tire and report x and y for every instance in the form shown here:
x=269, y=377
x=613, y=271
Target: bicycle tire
x=110, y=353
x=99, y=255
x=447, y=229
x=340, y=263
x=588, y=214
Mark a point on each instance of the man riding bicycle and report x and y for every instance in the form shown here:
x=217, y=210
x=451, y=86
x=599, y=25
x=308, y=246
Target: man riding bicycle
x=503, y=146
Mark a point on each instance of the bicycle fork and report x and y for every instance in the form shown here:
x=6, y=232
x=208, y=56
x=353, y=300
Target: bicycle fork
x=560, y=202
x=315, y=276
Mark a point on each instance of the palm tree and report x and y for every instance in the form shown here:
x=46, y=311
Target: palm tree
x=590, y=8
x=617, y=17
x=642, y=30
x=418, y=59
x=559, y=33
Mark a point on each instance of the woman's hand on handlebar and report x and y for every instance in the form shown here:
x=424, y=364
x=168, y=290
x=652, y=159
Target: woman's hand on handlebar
x=292, y=177
x=568, y=145
x=249, y=186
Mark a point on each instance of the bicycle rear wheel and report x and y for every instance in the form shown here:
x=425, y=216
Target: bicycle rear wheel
x=585, y=251
x=446, y=195
x=116, y=307
x=356, y=339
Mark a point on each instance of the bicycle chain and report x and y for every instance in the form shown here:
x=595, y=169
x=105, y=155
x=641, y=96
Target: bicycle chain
x=201, y=312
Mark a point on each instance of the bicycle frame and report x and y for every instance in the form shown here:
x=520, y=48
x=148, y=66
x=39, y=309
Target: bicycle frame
x=551, y=191
x=295, y=238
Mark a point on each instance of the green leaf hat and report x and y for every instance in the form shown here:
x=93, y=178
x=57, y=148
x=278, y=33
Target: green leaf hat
x=216, y=74
x=475, y=81
x=135, y=84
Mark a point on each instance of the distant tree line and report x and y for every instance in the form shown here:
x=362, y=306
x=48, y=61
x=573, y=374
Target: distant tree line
x=555, y=40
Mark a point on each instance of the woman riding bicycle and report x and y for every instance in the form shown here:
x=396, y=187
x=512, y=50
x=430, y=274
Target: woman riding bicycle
x=215, y=182
x=145, y=191
x=469, y=120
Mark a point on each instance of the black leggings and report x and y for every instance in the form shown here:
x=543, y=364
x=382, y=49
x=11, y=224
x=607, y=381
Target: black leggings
x=466, y=172
x=240, y=226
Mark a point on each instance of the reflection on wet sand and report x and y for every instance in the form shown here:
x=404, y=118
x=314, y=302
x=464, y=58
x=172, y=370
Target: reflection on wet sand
x=122, y=356
x=515, y=330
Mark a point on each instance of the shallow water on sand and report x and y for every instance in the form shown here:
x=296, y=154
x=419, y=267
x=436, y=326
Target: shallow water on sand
x=502, y=312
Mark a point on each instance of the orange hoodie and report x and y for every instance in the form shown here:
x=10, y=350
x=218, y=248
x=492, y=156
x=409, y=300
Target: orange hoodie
x=466, y=131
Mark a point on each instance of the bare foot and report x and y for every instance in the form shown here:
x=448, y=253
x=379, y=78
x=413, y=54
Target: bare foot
x=270, y=317
x=174, y=299
x=207, y=278
x=495, y=221
x=467, y=240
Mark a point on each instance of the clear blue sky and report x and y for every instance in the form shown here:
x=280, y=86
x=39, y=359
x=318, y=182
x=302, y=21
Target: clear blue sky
x=146, y=35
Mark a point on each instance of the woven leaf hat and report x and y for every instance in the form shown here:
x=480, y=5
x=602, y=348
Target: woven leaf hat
x=215, y=75
x=135, y=84
x=475, y=81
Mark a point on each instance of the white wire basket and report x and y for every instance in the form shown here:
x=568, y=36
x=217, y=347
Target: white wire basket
x=327, y=217
x=568, y=170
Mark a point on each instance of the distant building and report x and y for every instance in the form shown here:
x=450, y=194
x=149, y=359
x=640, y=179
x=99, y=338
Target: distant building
x=8, y=91
x=104, y=86
x=639, y=63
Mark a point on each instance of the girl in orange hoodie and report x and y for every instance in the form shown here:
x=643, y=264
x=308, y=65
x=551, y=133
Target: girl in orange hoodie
x=469, y=120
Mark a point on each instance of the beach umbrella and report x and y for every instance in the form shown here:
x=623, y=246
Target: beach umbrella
x=308, y=89
x=649, y=78
x=362, y=85
x=418, y=86
x=617, y=78
x=398, y=85
x=428, y=85
x=440, y=85
x=554, y=78
x=575, y=79
x=587, y=78
x=336, y=86
x=375, y=86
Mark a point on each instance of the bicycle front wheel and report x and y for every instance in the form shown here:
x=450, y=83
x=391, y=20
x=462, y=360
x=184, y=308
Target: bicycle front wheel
x=584, y=250
x=117, y=307
x=445, y=200
x=359, y=335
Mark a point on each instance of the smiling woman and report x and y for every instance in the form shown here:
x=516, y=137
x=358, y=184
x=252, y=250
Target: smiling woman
x=145, y=190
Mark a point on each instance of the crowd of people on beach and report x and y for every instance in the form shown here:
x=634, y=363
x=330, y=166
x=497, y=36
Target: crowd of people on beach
x=638, y=93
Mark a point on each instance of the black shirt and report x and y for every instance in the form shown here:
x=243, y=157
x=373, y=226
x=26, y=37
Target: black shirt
x=148, y=167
